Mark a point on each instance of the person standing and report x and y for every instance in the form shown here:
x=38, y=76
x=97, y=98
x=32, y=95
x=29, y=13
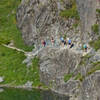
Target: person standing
x=85, y=47
x=52, y=41
x=43, y=43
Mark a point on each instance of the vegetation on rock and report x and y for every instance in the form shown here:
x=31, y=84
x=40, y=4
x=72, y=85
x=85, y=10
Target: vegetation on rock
x=71, y=12
x=67, y=77
x=96, y=66
x=95, y=44
x=98, y=11
x=95, y=28
x=79, y=77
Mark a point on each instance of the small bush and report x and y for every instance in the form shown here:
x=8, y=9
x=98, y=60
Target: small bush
x=95, y=44
x=98, y=11
x=75, y=25
x=71, y=12
x=79, y=77
x=96, y=66
x=67, y=77
x=95, y=28
x=4, y=40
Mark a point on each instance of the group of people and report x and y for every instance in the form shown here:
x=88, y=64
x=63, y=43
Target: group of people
x=43, y=42
x=64, y=42
x=68, y=41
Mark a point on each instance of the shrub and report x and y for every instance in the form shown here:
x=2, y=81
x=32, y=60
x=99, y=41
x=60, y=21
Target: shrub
x=96, y=66
x=95, y=28
x=75, y=25
x=79, y=77
x=71, y=12
x=67, y=77
x=95, y=44
x=98, y=11
x=4, y=40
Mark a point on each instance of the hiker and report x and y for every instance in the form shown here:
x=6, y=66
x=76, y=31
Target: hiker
x=52, y=40
x=72, y=45
x=69, y=41
x=85, y=47
x=43, y=43
x=62, y=39
x=65, y=42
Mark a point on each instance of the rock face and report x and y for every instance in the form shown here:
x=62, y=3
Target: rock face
x=87, y=11
x=91, y=87
x=56, y=63
x=40, y=19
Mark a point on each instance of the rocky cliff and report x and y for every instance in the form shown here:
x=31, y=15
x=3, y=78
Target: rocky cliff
x=67, y=71
x=88, y=17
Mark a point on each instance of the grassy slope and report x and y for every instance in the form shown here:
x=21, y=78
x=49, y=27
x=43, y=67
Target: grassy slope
x=8, y=29
x=14, y=72
x=11, y=67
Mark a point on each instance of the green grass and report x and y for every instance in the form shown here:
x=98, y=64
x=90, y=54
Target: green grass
x=95, y=44
x=8, y=29
x=14, y=72
x=95, y=28
x=96, y=66
x=67, y=77
x=71, y=12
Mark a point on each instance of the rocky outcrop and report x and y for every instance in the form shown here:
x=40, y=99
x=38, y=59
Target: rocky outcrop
x=54, y=64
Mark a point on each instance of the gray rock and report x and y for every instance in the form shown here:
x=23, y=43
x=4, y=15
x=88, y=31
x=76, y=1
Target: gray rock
x=1, y=79
x=28, y=84
x=38, y=20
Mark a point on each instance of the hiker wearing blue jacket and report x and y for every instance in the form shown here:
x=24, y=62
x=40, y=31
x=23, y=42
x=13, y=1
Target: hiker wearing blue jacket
x=69, y=42
x=62, y=39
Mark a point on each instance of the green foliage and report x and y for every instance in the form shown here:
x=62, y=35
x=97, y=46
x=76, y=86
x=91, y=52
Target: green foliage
x=79, y=77
x=8, y=29
x=14, y=72
x=67, y=77
x=95, y=44
x=98, y=11
x=70, y=13
x=4, y=40
x=75, y=25
x=95, y=28
x=65, y=36
x=96, y=66
x=61, y=0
